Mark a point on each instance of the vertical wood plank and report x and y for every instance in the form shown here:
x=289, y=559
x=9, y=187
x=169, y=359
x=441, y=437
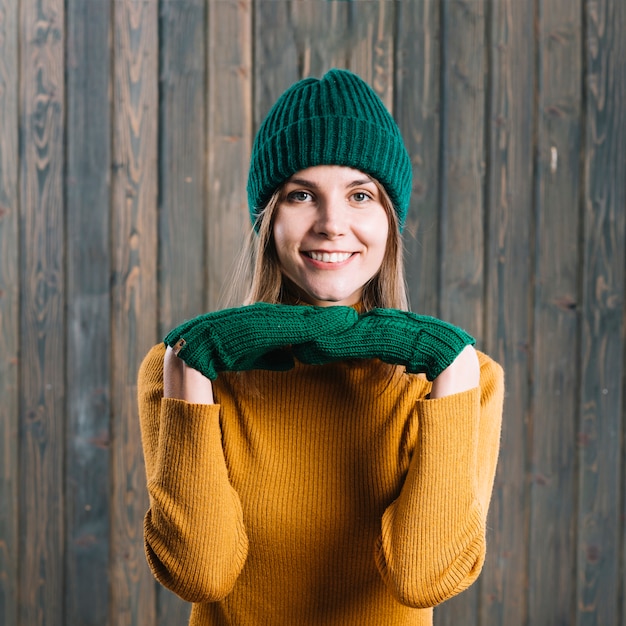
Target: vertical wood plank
x=135, y=312
x=229, y=138
x=278, y=63
x=462, y=237
x=181, y=182
x=371, y=54
x=9, y=310
x=602, y=393
x=463, y=67
x=321, y=35
x=294, y=39
x=462, y=180
x=509, y=289
x=88, y=311
x=182, y=161
x=417, y=110
x=42, y=335
x=552, y=548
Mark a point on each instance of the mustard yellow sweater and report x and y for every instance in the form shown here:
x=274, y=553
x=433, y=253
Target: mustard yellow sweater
x=326, y=495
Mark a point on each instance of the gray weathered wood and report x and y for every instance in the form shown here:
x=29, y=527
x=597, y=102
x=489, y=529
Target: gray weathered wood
x=552, y=549
x=88, y=312
x=134, y=295
x=371, y=51
x=42, y=334
x=461, y=279
x=462, y=174
x=182, y=167
x=9, y=311
x=181, y=175
x=602, y=350
x=509, y=289
x=229, y=140
x=417, y=101
x=296, y=39
x=277, y=62
x=322, y=36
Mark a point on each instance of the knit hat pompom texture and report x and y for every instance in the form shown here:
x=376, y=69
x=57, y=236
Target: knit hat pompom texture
x=335, y=120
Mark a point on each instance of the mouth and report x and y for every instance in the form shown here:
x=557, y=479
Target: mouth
x=329, y=257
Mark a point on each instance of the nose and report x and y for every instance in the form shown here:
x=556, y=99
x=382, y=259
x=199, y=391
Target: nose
x=331, y=219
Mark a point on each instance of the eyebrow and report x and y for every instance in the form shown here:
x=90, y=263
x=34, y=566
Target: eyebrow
x=309, y=183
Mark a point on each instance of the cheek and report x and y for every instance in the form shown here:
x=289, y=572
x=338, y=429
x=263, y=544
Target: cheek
x=287, y=237
x=284, y=229
x=282, y=242
x=376, y=232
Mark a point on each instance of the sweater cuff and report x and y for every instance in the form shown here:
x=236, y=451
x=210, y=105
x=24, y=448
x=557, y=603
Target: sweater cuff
x=181, y=409
x=452, y=409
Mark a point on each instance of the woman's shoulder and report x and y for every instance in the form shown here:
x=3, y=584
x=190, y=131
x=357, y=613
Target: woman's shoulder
x=152, y=365
x=488, y=365
x=491, y=373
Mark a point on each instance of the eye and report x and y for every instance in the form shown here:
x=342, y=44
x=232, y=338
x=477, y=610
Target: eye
x=361, y=196
x=299, y=196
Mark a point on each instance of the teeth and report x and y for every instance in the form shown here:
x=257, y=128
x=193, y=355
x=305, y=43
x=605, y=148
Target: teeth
x=330, y=257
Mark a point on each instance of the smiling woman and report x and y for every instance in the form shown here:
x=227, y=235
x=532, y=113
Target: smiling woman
x=330, y=232
x=270, y=283
x=320, y=454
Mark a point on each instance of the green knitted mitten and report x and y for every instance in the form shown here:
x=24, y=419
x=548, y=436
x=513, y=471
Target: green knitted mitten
x=251, y=337
x=419, y=342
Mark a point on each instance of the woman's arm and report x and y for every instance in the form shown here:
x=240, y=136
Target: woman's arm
x=463, y=374
x=195, y=538
x=432, y=544
x=183, y=382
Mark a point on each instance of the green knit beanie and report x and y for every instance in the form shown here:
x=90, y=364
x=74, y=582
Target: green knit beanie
x=335, y=120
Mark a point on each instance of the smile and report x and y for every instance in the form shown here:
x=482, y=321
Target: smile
x=329, y=257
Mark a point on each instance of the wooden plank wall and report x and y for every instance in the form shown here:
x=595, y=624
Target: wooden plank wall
x=125, y=132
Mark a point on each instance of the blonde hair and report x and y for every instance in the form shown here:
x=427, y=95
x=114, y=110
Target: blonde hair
x=258, y=276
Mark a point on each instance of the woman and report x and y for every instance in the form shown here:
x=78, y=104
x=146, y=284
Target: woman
x=320, y=455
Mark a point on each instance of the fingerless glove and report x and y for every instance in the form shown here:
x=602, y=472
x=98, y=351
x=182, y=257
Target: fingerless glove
x=251, y=337
x=421, y=343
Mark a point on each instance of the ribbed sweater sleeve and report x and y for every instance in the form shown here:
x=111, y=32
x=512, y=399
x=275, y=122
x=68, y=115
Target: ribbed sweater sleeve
x=195, y=538
x=432, y=544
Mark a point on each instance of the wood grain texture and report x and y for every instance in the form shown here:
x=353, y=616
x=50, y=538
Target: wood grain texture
x=134, y=295
x=297, y=39
x=461, y=260
x=278, y=61
x=294, y=40
x=42, y=334
x=182, y=163
x=417, y=109
x=9, y=311
x=508, y=278
x=181, y=182
x=229, y=140
x=462, y=175
x=322, y=36
x=603, y=274
x=552, y=548
x=371, y=54
x=87, y=461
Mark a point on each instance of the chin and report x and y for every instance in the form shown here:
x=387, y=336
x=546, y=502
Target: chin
x=316, y=297
x=333, y=300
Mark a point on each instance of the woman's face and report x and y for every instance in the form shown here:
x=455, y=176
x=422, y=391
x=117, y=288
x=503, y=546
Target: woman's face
x=330, y=231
